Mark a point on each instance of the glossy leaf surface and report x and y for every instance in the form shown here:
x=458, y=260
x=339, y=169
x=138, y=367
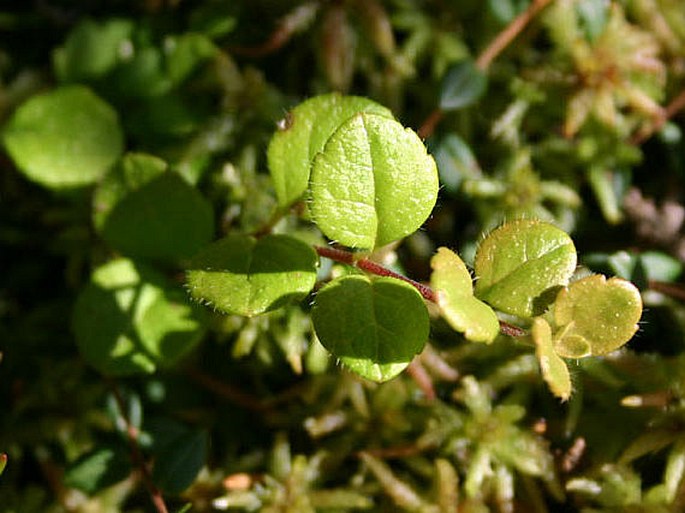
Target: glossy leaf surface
x=374, y=327
x=65, y=138
x=112, y=320
x=520, y=261
x=247, y=276
x=554, y=369
x=600, y=313
x=373, y=183
x=303, y=133
x=453, y=285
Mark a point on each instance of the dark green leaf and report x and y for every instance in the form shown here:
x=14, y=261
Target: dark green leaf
x=462, y=85
x=185, y=53
x=65, y=138
x=131, y=172
x=112, y=320
x=455, y=162
x=143, y=75
x=303, y=133
x=373, y=183
x=165, y=219
x=178, y=462
x=92, y=49
x=99, y=469
x=248, y=276
x=374, y=327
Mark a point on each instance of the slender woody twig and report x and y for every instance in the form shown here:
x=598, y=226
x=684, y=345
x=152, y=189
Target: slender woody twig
x=345, y=257
x=136, y=453
x=496, y=47
x=674, y=107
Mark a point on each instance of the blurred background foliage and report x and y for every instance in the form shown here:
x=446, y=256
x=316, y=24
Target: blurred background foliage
x=152, y=119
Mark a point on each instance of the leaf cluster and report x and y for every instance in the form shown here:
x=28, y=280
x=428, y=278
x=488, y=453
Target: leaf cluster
x=192, y=288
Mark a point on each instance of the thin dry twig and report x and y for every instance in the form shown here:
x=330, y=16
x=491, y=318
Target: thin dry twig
x=674, y=107
x=496, y=47
x=136, y=453
x=510, y=32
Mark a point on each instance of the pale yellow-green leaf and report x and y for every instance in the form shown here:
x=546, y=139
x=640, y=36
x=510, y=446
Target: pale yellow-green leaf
x=598, y=312
x=466, y=314
x=554, y=369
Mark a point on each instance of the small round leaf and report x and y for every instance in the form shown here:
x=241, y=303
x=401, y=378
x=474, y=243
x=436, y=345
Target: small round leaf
x=520, y=261
x=243, y=275
x=554, y=369
x=303, y=133
x=131, y=172
x=65, y=138
x=179, y=461
x=373, y=183
x=453, y=286
x=374, y=327
x=165, y=219
x=463, y=84
x=602, y=312
x=92, y=49
x=129, y=319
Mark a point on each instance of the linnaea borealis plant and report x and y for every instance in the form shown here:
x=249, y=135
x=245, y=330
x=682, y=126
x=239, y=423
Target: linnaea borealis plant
x=366, y=181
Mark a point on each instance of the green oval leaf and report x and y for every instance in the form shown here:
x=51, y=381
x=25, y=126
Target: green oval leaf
x=178, y=462
x=519, y=262
x=66, y=138
x=129, y=319
x=247, y=276
x=452, y=284
x=455, y=161
x=92, y=49
x=99, y=469
x=303, y=133
x=463, y=84
x=602, y=313
x=373, y=183
x=131, y=172
x=165, y=219
x=554, y=369
x=374, y=327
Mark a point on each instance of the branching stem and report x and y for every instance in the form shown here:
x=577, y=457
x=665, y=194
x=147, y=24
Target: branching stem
x=346, y=257
x=674, y=107
x=136, y=453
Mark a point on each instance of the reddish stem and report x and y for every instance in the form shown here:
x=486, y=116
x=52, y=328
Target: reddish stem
x=509, y=33
x=136, y=453
x=674, y=107
x=345, y=257
x=422, y=379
